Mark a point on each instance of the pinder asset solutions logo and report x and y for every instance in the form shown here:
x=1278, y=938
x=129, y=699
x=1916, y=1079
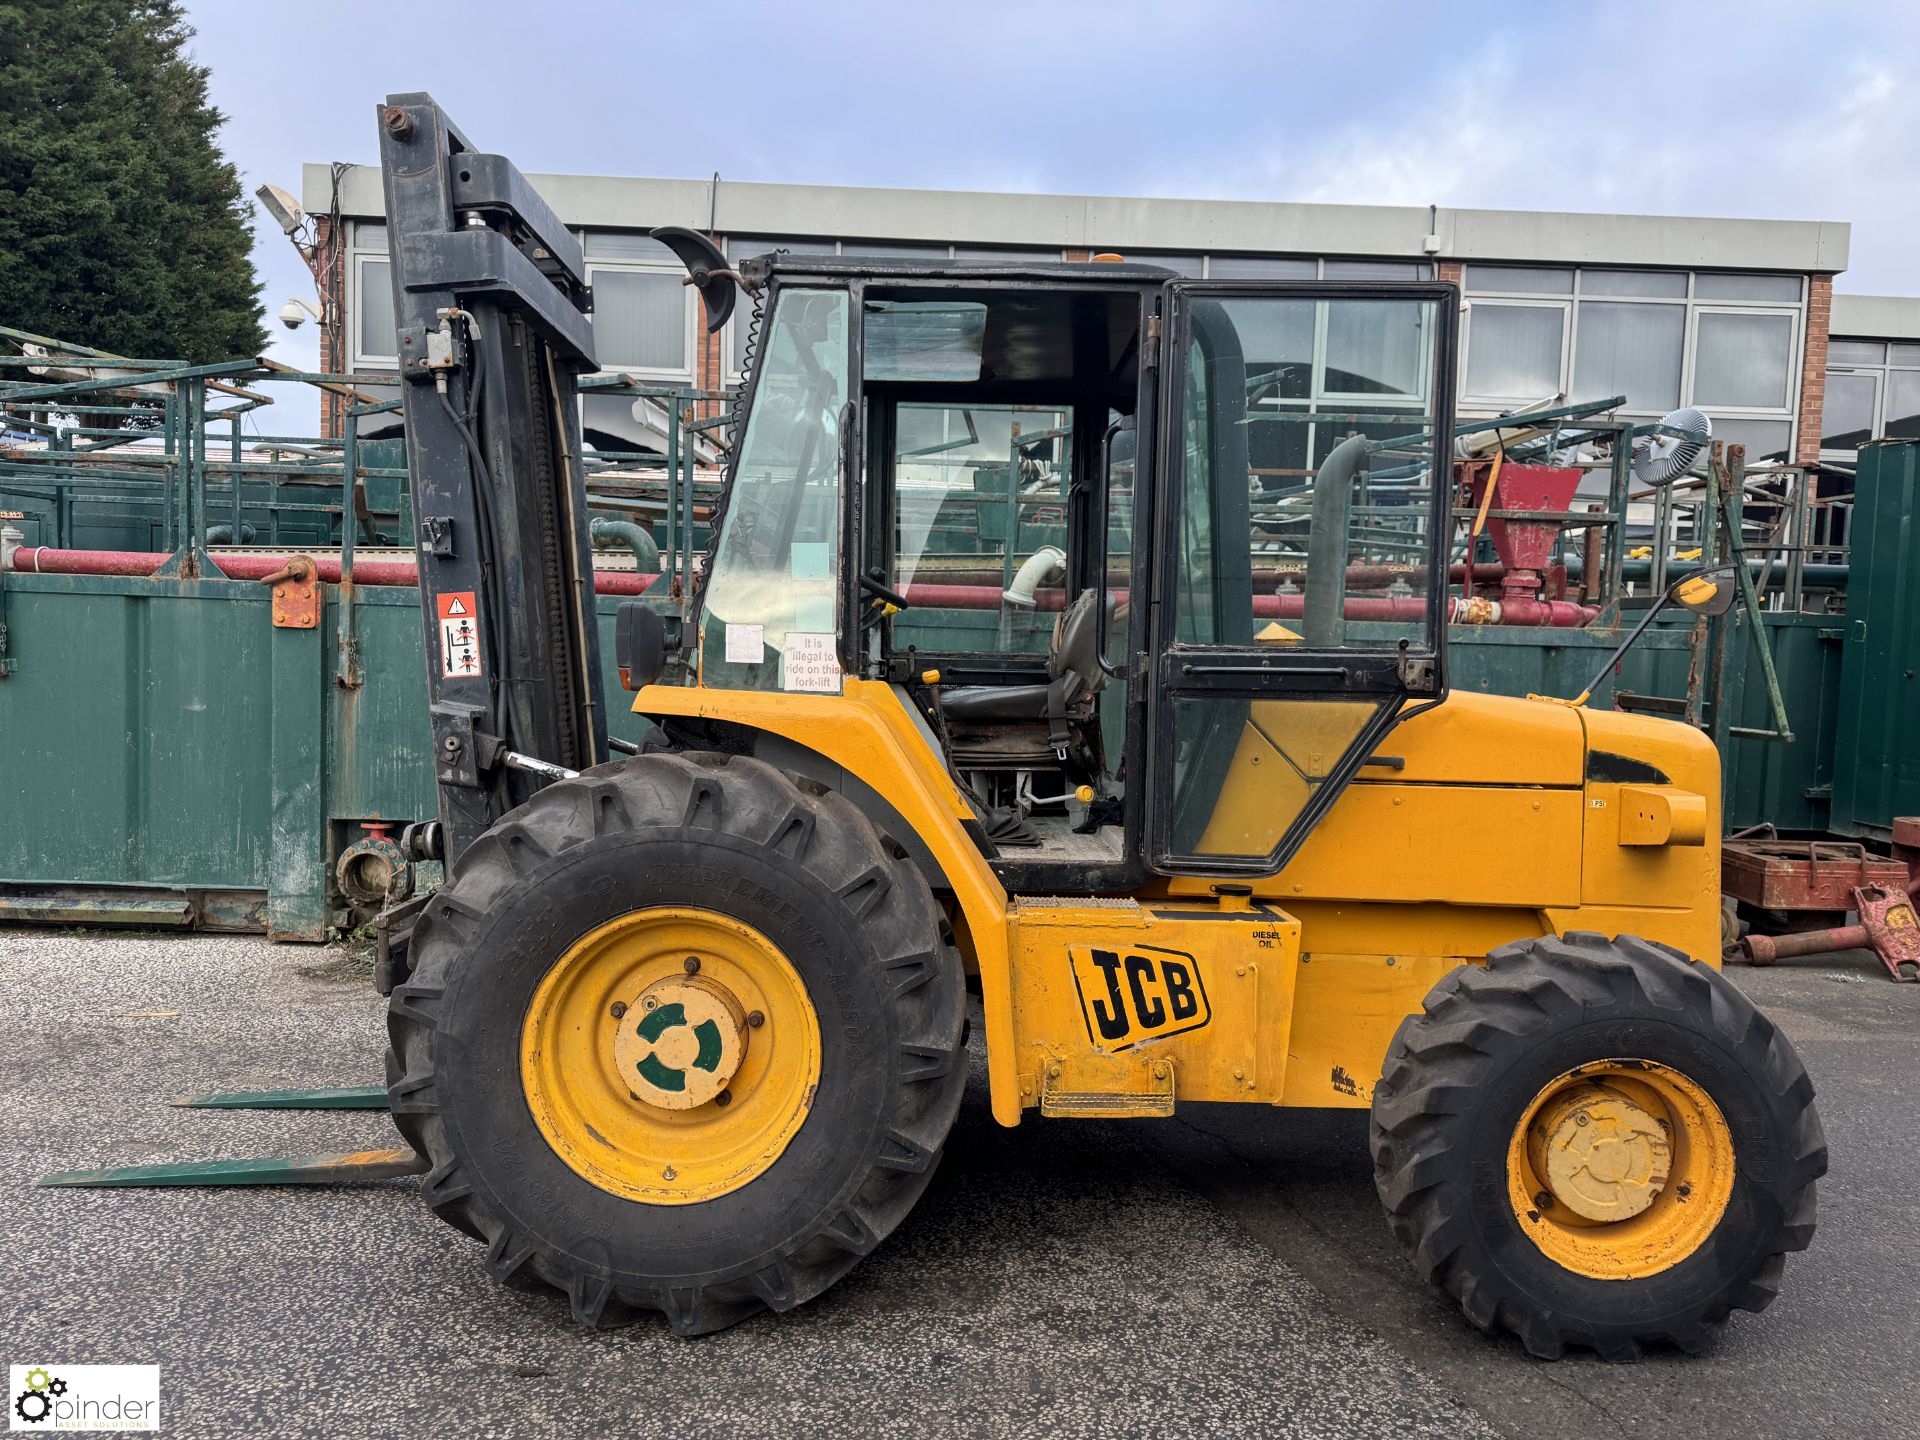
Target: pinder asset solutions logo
x=83, y=1397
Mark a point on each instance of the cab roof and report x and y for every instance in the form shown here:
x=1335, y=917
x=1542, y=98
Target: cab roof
x=903, y=267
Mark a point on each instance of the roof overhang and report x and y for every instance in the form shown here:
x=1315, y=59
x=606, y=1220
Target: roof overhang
x=1078, y=222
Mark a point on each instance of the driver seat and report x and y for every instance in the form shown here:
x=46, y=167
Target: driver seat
x=1073, y=663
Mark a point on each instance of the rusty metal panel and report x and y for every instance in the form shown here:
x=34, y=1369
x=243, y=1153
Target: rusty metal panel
x=1803, y=874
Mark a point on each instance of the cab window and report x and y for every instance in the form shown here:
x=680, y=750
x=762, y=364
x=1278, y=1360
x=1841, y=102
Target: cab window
x=767, y=622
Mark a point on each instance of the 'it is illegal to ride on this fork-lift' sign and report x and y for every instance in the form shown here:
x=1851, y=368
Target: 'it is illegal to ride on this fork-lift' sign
x=459, y=635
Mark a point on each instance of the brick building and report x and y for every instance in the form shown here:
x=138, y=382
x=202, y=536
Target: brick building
x=1736, y=317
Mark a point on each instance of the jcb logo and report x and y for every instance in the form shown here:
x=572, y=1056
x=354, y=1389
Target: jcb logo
x=1139, y=993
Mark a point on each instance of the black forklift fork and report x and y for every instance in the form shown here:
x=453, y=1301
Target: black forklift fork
x=491, y=304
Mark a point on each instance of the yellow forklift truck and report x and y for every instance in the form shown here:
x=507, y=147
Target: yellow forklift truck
x=1180, y=801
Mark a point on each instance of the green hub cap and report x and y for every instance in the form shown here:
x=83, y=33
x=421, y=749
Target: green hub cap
x=680, y=1043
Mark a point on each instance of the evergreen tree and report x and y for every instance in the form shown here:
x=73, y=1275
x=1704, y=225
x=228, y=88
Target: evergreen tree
x=122, y=226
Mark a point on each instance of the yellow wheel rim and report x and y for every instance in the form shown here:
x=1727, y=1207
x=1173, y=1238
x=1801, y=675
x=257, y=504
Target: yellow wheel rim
x=1620, y=1169
x=671, y=1055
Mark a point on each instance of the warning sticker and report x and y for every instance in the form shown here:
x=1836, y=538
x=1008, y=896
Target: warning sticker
x=459, y=635
x=809, y=663
x=746, y=644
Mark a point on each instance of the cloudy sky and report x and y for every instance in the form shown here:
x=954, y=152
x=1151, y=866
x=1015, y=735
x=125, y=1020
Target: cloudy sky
x=1775, y=111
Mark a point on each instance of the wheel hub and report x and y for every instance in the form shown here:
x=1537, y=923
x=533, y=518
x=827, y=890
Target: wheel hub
x=680, y=1043
x=1620, y=1168
x=1600, y=1154
x=670, y=1055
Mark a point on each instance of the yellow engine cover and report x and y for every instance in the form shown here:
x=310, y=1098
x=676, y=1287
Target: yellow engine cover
x=1122, y=1007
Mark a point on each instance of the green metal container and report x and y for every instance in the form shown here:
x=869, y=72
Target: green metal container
x=1877, y=751
x=172, y=757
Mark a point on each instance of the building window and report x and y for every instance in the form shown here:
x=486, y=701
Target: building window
x=375, y=328
x=742, y=247
x=1368, y=271
x=896, y=249
x=1193, y=267
x=1851, y=413
x=1631, y=350
x=370, y=340
x=643, y=316
x=1728, y=343
x=1873, y=392
x=1742, y=360
x=1261, y=267
x=1006, y=255
x=1518, y=351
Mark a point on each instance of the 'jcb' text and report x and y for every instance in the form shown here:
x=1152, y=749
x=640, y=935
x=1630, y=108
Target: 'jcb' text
x=1140, y=993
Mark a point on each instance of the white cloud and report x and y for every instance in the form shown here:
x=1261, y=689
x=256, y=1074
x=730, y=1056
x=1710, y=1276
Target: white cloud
x=1511, y=127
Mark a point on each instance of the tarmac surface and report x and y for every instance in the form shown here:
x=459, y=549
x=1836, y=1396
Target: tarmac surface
x=1225, y=1272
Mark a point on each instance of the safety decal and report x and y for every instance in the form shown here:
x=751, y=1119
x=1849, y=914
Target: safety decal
x=459, y=635
x=1136, y=993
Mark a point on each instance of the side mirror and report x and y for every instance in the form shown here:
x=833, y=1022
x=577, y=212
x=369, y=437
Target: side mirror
x=1705, y=593
x=639, y=644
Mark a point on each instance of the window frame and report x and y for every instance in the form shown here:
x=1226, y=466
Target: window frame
x=1234, y=673
x=1535, y=302
x=1877, y=416
x=359, y=254
x=690, y=322
x=1486, y=406
x=1882, y=375
x=1795, y=351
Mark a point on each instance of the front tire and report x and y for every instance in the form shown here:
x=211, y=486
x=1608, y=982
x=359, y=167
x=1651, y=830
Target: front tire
x=1596, y=1143
x=781, y=1125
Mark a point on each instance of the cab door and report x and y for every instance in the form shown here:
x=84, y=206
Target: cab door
x=1300, y=567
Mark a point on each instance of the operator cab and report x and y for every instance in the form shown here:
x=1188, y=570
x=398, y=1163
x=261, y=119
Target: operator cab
x=971, y=438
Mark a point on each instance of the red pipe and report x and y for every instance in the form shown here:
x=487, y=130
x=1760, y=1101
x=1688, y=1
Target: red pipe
x=1357, y=575
x=1765, y=949
x=44, y=560
x=1559, y=614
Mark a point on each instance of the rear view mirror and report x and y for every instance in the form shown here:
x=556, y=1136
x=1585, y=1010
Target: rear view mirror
x=1705, y=594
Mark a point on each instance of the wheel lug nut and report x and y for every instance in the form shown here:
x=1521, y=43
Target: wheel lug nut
x=618, y=1008
x=692, y=965
x=725, y=1097
x=1543, y=1200
x=756, y=1019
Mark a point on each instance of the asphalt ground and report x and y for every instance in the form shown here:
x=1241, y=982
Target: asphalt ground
x=1225, y=1272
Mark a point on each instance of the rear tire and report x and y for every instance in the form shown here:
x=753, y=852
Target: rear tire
x=728, y=836
x=1464, y=1079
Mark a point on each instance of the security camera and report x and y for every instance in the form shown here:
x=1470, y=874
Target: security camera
x=294, y=313
x=282, y=206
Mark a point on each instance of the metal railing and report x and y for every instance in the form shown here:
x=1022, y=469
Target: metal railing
x=92, y=441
